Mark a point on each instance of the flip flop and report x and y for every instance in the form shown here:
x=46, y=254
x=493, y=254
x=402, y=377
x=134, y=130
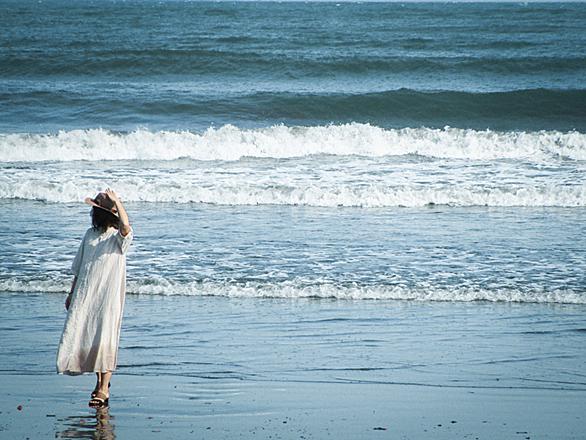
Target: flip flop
x=94, y=391
x=100, y=400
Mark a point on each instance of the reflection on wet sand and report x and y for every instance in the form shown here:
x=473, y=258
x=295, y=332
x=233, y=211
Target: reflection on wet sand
x=96, y=426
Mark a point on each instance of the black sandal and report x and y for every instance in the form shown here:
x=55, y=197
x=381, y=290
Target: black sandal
x=94, y=392
x=100, y=400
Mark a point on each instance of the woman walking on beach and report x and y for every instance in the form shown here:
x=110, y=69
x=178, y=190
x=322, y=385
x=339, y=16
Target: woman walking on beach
x=92, y=328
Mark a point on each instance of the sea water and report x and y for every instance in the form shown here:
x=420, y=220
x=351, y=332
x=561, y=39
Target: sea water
x=362, y=168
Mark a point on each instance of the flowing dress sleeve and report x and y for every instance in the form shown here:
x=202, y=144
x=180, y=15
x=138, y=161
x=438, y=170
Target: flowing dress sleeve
x=124, y=241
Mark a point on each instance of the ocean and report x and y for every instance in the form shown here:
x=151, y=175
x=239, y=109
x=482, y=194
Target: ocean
x=377, y=192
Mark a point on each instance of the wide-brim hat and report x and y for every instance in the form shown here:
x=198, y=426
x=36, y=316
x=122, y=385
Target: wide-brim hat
x=95, y=203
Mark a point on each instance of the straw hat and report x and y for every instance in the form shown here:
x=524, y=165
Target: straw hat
x=102, y=201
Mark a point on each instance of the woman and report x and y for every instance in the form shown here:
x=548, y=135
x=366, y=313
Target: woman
x=92, y=328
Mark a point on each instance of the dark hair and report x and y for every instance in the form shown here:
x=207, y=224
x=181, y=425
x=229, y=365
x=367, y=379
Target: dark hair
x=102, y=219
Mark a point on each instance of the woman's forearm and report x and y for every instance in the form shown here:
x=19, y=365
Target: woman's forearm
x=122, y=215
x=124, y=222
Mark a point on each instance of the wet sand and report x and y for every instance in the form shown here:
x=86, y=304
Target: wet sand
x=180, y=407
x=222, y=368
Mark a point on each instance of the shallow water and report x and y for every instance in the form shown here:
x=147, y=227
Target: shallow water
x=432, y=253
x=468, y=345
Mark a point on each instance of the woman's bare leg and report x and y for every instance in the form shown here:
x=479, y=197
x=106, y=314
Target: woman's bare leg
x=105, y=382
x=98, y=382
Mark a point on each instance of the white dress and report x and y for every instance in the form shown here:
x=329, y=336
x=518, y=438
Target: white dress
x=89, y=342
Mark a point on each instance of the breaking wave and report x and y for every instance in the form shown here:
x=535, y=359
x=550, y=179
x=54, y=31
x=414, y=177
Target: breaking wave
x=229, y=143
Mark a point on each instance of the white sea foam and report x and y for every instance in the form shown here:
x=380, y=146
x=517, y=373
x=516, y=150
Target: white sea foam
x=230, y=143
x=300, y=193
x=505, y=169
x=294, y=290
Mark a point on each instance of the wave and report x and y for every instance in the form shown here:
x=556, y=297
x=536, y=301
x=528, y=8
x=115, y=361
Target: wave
x=302, y=194
x=296, y=290
x=229, y=143
x=512, y=110
x=405, y=104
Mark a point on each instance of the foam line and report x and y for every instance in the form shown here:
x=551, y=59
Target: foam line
x=295, y=290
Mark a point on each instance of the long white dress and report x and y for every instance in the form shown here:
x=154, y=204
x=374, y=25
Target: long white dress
x=89, y=342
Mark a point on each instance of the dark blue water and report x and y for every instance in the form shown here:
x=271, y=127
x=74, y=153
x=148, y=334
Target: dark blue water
x=188, y=65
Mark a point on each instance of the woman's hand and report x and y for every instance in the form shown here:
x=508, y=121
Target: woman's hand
x=113, y=196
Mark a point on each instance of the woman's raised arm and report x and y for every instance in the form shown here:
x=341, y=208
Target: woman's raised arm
x=124, y=222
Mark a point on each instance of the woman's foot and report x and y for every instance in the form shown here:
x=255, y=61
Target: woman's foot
x=100, y=400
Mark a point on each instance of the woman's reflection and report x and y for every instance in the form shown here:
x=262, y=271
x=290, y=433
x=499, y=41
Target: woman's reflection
x=96, y=426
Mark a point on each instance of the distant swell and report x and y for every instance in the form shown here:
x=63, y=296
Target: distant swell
x=293, y=290
x=153, y=62
x=280, y=141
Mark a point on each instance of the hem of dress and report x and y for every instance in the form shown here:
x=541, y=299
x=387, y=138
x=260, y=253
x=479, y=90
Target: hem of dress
x=79, y=373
